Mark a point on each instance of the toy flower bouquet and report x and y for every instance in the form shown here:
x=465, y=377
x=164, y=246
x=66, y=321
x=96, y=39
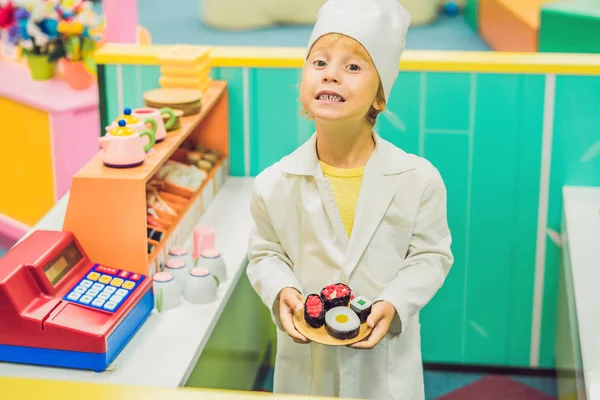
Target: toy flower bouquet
x=47, y=31
x=79, y=28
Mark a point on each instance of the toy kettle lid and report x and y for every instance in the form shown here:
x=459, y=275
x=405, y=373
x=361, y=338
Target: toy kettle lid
x=122, y=129
x=129, y=119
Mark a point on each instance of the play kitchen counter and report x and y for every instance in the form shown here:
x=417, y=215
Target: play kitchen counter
x=107, y=210
x=166, y=348
x=578, y=328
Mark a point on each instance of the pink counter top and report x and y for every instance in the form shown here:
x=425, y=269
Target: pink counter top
x=51, y=96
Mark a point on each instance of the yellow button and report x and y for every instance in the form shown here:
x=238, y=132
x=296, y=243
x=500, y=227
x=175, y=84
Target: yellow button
x=128, y=285
x=93, y=276
x=105, y=279
x=116, y=282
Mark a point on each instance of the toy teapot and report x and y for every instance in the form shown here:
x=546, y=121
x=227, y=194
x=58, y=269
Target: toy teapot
x=138, y=124
x=124, y=147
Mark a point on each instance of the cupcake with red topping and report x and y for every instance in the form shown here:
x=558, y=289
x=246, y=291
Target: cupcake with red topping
x=336, y=295
x=314, y=311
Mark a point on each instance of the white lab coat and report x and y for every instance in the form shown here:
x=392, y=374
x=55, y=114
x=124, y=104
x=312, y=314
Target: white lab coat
x=399, y=251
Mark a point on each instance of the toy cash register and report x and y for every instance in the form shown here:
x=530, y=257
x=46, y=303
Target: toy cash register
x=58, y=308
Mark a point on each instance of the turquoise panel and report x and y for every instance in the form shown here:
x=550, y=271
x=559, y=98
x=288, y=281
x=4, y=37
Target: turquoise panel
x=471, y=14
x=447, y=101
x=148, y=76
x=492, y=220
x=131, y=81
x=529, y=111
x=399, y=124
x=274, y=116
x=235, y=87
x=442, y=319
x=112, y=94
x=575, y=161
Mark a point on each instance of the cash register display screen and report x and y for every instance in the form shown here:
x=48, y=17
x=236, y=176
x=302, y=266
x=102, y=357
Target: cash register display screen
x=62, y=264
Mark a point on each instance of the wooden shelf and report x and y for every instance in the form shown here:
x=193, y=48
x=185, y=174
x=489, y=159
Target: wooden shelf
x=164, y=150
x=107, y=208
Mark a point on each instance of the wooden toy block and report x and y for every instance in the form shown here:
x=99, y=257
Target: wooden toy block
x=184, y=55
x=510, y=25
x=570, y=26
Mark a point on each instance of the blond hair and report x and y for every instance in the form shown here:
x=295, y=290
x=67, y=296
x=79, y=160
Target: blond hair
x=332, y=39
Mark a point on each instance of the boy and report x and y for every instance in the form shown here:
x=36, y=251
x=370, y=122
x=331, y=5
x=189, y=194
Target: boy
x=349, y=207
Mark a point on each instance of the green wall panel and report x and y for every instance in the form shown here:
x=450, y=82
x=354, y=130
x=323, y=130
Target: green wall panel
x=528, y=110
x=235, y=88
x=112, y=94
x=442, y=320
x=148, y=78
x=446, y=101
x=273, y=122
x=399, y=124
x=492, y=221
x=472, y=14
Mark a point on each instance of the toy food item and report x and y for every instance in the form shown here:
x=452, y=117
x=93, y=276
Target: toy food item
x=314, y=311
x=335, y=295
x=342, y=323
x=204, y=165
x=362, y=307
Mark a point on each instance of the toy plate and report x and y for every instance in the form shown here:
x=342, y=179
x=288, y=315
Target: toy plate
x=320, y=335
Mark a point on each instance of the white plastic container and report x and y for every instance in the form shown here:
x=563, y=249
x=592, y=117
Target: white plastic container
x=211, y=259
x=200, y=287
x=166, y=291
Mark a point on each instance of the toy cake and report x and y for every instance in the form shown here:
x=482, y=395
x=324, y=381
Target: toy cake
x=342, y=323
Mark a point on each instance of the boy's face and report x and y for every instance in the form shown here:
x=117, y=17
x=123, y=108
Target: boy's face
x=339, y=80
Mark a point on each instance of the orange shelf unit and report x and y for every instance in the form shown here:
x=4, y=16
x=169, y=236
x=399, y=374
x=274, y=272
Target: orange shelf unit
x=107, y=208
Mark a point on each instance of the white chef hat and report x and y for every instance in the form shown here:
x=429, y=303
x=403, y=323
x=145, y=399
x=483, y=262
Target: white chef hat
x=379, y=25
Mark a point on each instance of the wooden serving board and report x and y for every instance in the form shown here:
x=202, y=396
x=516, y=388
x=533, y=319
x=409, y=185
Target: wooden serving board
x=320, y=335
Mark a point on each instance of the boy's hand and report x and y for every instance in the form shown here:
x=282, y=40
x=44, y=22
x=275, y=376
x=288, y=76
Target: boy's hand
x=380, y=319
x=290, y=301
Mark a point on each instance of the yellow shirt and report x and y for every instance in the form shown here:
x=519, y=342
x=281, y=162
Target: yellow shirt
x=345, y=183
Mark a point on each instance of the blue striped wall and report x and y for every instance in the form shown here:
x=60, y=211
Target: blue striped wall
x=504, y=144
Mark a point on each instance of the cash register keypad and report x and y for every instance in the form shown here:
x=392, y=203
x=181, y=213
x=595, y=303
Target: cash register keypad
x=104, y=288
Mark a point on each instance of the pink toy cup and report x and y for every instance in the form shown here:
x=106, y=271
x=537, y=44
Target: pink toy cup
x=204, y=238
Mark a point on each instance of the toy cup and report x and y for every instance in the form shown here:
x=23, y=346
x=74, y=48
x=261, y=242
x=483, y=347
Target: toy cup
x=166, y=291
x=200, y=287
x=156, y=115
